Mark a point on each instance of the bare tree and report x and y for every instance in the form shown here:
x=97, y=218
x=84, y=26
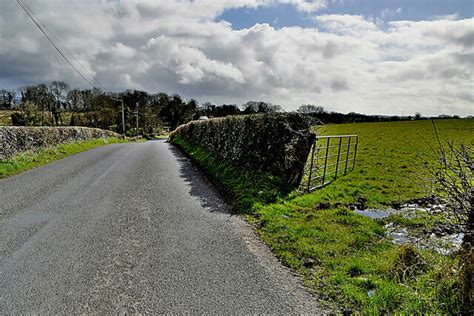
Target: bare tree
x=252, y=107
x=453, y=185
x=58, y=90
x=75, y=103
x=310, y=109
x=6, y=98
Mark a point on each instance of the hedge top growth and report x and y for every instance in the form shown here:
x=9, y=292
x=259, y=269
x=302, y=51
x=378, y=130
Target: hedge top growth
x=277, y=143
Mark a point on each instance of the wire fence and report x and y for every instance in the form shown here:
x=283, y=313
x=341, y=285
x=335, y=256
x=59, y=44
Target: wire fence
x=330, y=157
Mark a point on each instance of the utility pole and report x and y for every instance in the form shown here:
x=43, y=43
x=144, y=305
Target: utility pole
x=123, y=119
x=137, y=117
x=123, y=114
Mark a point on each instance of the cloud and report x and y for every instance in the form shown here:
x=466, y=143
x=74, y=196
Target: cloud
x=346, y=24
x=307, y=5
x=345, y=63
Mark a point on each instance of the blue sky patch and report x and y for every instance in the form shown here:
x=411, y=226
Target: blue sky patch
x=281, y=15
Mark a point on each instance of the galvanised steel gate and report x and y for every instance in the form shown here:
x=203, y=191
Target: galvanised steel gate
x=330, y=158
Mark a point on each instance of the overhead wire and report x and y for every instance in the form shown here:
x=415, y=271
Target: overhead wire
x=91, y=76
x=42, y=30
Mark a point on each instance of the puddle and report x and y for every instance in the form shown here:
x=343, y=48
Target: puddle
x=374, y=214
x=402, y=236
x=444, y=245
x=408, y=211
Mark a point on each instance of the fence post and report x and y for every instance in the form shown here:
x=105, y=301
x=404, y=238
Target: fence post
x=355, y=152
x=338, y=156
x=347, y=154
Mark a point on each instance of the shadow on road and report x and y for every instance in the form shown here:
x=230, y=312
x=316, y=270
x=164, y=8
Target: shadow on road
x=201, y=187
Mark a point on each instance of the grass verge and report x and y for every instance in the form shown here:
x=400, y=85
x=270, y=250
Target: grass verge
x=30, y=160
x=346, y=257
x=246, y=190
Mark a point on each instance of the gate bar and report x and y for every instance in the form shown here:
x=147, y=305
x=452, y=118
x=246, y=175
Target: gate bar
x=311, y=166
x=338, y=156
x=347, y=154
x=326, y=159
x=355, y=153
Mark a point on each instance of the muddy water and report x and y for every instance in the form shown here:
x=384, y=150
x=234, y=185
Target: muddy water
x=402, y=236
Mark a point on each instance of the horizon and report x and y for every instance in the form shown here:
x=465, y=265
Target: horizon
x=395, y=58
x=241, y=106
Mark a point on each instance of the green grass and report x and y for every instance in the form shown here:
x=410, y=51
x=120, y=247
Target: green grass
x=344, y=257
x=30, y=160
x=392, y=160
x=247, y=190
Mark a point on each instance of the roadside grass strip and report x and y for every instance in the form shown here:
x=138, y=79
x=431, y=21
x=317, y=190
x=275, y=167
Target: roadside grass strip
x=41, y=157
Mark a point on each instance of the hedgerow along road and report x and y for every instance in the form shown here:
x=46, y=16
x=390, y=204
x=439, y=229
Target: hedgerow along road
x=132, y=228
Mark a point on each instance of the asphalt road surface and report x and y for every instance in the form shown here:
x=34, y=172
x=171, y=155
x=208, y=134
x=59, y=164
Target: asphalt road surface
x=133, y=228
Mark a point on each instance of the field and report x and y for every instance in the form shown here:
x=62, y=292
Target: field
x=347, y=259
x=392, y=160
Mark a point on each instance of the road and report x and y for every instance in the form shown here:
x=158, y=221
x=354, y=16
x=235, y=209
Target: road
x=133, y=228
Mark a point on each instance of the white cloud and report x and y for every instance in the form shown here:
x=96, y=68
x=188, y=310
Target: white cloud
x=348, y=63
x=307, y=5
x=346, y=24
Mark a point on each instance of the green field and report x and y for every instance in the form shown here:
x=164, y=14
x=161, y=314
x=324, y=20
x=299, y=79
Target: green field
x=392, y=160
x=346, y=258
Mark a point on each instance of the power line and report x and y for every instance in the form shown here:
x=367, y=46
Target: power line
x=53, y=44
x=36, y=20
x=91, y=76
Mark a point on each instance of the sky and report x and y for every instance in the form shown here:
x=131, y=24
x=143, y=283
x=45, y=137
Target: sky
x=376, y=57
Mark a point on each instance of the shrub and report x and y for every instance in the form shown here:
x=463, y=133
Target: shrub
x=277, y=143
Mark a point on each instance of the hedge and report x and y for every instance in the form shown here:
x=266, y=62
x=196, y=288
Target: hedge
x=277, y=143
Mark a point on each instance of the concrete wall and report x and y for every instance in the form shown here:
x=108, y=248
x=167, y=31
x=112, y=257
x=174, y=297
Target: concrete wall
x=17, y=139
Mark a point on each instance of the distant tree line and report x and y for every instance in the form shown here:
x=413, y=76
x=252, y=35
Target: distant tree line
x=56, y=104
x=352, y=117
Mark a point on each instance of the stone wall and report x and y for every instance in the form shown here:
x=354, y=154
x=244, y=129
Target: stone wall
x=277, y=143
x=15, y=140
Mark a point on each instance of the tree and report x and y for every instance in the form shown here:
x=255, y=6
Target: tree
x=75, y=103
x=6, y=98
x=253, y=107
x=175, y=112
x=41, y=97
x=58, y=91
x=417, y=116
x=310, y=109
x=205, y=109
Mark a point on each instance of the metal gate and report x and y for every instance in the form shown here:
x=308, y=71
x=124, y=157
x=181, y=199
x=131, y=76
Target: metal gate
x=330, y=158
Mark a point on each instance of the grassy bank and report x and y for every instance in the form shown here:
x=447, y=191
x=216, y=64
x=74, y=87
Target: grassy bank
x=30, y=160
x=245, y=189
x=345, y=257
